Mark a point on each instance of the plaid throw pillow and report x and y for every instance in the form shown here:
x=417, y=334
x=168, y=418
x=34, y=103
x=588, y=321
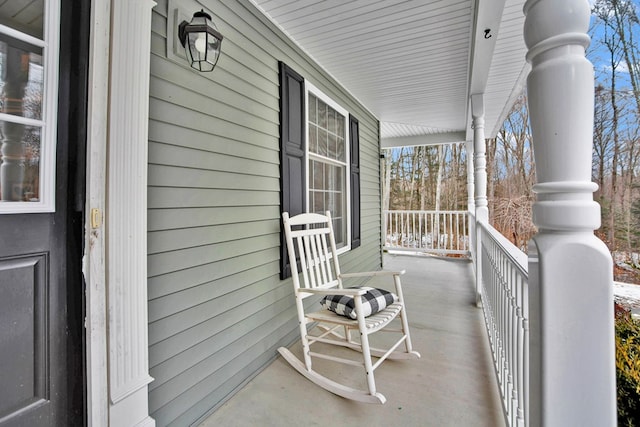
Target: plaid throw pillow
x=372, y=302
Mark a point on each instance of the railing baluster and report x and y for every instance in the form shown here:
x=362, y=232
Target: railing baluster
x=420, y=231
x=457, y=231
x=413, y=227
x=396, y=229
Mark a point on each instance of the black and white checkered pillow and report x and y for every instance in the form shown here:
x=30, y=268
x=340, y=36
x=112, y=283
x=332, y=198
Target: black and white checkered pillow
x=372, y=302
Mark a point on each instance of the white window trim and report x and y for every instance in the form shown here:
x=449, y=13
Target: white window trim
x=310, y=88
x=49, y=123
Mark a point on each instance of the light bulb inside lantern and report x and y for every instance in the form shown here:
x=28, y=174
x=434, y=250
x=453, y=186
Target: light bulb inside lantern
x=201, y=43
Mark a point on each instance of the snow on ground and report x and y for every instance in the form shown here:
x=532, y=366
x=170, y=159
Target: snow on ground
x=627, y=295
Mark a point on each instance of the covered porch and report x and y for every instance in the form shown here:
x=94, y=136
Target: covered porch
x=453, y=384
x=420, y=74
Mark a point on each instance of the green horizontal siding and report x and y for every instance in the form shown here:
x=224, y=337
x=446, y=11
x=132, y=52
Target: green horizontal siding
x=217, y=308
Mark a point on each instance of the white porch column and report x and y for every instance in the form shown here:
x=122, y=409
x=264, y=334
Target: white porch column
x=126, y=219
x=572, y=371
x=480, y=162
x=471, y=204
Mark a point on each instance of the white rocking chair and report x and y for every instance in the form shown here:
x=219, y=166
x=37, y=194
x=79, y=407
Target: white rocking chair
x=310, y=240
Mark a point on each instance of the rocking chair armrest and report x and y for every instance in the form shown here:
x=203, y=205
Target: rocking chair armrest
x=335, y=291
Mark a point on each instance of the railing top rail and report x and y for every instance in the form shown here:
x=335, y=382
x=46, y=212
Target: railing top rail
x=419, y=211
x=517, y=257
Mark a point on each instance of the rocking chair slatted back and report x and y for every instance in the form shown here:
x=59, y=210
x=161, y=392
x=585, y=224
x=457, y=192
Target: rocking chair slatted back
x=316, y=251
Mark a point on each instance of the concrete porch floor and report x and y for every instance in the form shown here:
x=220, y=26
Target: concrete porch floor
x=452, y=384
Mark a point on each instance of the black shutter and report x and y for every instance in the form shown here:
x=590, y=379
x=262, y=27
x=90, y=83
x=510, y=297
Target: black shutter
x=354, y=137
x=292, y=159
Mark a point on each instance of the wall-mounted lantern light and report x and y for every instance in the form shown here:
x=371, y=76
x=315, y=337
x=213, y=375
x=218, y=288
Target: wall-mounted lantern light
x=201, y=40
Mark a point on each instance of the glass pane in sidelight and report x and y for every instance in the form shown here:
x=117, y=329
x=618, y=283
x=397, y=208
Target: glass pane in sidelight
x=21, y=78
x=19, y=162
x=24, y=16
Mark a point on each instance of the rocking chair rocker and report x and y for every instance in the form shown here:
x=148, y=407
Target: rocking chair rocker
x=310, y=240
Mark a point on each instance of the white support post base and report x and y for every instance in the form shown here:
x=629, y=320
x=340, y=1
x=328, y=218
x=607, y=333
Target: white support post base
x=572, y=366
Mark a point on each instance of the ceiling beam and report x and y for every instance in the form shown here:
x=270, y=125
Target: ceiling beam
x=431, y=139
x=486, y=31
x=487, y=27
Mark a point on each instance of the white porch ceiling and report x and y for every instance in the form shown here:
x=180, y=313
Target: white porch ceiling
x=414, y=63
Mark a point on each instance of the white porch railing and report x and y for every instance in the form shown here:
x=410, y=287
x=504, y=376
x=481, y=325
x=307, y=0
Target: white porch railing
x=504, y=296
x=440, y=232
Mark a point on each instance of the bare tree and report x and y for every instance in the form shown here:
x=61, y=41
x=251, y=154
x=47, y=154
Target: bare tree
x=614, y=148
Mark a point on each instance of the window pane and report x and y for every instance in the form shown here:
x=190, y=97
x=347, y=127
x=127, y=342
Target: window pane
x=329, y=203
x=19, y=163
x=318, y=176
x=26, y=17
x=313, y=138
x=336, y=202
x=318, y=202
x=313, y=111
x=322, y=142
x=21, y=78
x=322, y=114
x=333, y=147
x=333, y=178
x=340, y=125
x=340, y=150
x=331, y=122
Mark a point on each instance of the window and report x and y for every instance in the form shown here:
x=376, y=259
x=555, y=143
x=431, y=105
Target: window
x=327, y=162
x=319, y=160
x=28, y=106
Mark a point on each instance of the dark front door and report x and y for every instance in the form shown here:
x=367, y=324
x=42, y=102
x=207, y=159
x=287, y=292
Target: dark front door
x=42, y=151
